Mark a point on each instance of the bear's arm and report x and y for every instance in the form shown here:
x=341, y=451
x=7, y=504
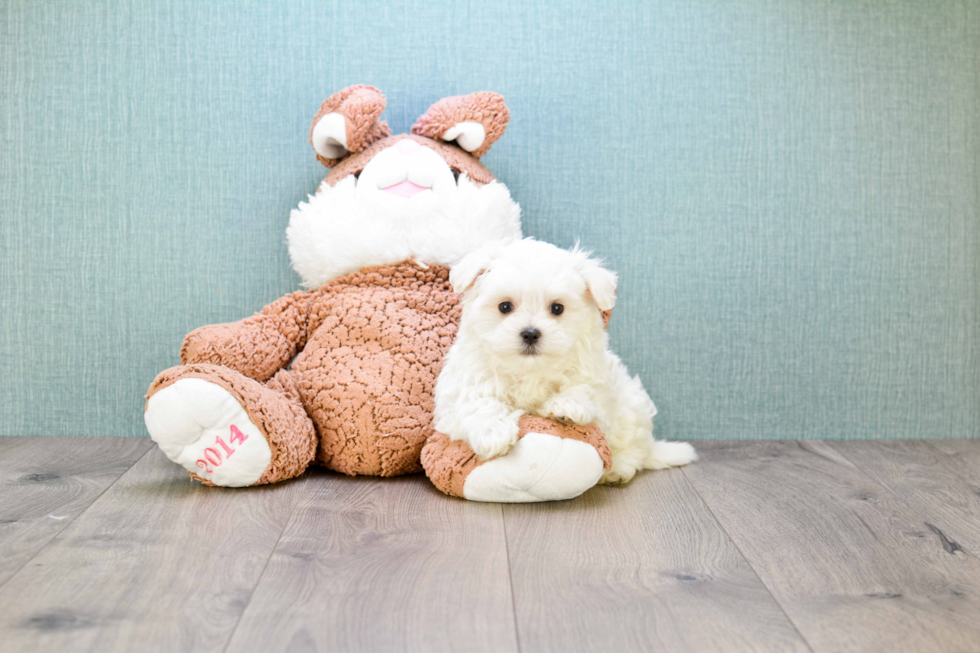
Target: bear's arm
x=258, y=346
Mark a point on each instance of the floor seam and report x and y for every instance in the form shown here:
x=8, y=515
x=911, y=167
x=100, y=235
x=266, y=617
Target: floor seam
x=265, y=567
x=75, y=518
x=510, y=578
x=755, y=572
x=882, y=483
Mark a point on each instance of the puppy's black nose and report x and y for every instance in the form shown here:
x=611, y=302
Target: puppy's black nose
x=530, y=336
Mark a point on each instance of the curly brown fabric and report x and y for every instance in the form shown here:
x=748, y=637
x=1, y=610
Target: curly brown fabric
x=360, y=105
x=448, y=463
x=274, y=408
x=257, y=346
x=458, y=159
x=368, y=348
x=367, y=374
x=484, y=107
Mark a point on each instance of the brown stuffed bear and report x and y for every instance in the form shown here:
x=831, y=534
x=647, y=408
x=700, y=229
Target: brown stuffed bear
x=344, y=373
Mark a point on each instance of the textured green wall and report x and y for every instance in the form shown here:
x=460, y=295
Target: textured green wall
x=788, y=189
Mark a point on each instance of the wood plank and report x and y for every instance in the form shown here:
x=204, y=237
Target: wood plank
x=45, y=482
x=928, y=481
x=643, y=567
x=967, y=450
x=384, y=564
x=961, y=456
x=854, y=567
x=9, y=443
x=158, y=562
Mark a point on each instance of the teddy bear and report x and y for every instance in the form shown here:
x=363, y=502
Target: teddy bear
x=343, y=372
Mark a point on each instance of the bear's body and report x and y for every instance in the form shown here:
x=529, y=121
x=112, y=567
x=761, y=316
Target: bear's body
x=368, y=348
x=367, y=374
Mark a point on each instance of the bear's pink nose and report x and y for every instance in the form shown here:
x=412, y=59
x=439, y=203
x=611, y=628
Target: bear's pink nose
x=407, y=146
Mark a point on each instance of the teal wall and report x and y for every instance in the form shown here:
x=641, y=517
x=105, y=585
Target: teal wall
x=788, y=189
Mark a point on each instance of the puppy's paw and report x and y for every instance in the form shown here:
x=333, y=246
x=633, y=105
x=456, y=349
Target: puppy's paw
x=496, y=439
x=571, y=407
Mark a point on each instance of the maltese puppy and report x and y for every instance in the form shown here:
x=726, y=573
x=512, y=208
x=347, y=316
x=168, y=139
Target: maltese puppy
x=531, y=340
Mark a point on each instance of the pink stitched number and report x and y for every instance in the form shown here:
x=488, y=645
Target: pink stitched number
x=228, y=450
x=237, y=436
x=212, y=456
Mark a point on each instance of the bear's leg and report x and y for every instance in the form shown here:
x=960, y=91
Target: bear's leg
x=550, y=462
x=227, y=429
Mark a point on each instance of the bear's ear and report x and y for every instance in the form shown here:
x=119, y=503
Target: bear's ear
x=347, y=122
x=464, y=274
x=474, y=121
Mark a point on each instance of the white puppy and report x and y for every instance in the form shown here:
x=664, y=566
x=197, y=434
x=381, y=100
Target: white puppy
x=531, y=340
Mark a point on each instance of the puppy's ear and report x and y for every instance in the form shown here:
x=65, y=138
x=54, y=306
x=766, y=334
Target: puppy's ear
x=464, y=274
x=600, y=282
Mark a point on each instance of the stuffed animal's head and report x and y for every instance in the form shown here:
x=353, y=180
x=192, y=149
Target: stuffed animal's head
x=422, y=196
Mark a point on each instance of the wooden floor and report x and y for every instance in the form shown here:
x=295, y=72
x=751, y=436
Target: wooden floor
x=760, y=546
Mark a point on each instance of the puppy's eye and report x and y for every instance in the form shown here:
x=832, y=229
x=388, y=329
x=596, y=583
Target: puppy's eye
x=505, y=307
x=557, y=309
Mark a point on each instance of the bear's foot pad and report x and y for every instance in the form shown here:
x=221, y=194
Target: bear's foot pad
x=540, y=467
x=202, y=427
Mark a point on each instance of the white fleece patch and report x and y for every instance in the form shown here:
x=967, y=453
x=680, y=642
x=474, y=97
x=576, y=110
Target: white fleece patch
x=344, y=228
x=330, y=136
x=470, y=135
x=202, y=427
x=540, y=467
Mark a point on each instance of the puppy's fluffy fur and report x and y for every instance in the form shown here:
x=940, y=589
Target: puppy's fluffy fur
x=517, y=352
